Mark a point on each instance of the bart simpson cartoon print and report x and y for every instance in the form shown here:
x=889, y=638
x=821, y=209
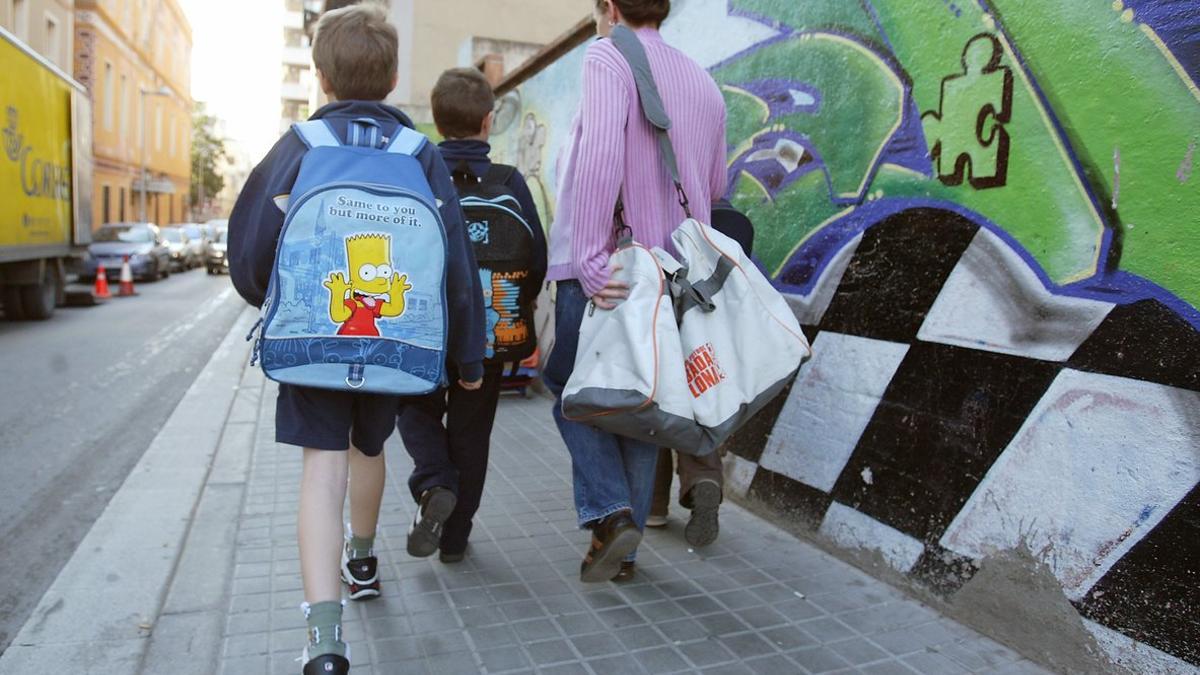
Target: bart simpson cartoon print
x=375, y=290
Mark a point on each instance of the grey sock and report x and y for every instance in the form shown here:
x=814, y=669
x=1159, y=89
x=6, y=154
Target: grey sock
x=360, y=547
x=325, y=629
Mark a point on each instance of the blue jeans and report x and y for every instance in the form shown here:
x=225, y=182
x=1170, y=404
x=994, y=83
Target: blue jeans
x=610, y=473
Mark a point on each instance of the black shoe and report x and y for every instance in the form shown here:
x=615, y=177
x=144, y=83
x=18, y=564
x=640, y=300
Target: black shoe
x=361, y=575
x=451, y=558
x=702, y=528
x=327, y=664
x=612, y=539
x=426, y=532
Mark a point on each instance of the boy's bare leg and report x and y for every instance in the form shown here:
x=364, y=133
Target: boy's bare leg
x=322, y=495
x=368, y=476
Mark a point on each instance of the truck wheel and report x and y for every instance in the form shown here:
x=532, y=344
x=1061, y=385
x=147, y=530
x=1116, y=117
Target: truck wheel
x=39, y=299
x=13, y=311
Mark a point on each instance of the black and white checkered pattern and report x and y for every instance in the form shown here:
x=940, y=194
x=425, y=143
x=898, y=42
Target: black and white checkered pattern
x=955, y=408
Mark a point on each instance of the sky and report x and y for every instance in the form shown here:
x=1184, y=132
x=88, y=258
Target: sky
x=237, y=48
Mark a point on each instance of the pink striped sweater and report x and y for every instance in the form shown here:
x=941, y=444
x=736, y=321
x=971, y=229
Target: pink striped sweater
x=612, y=150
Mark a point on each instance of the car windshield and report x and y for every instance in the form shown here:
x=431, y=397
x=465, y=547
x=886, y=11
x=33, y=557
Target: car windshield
x=134, y=234
x=174, y=236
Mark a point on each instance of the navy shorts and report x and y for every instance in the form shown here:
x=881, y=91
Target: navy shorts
x=332, y=420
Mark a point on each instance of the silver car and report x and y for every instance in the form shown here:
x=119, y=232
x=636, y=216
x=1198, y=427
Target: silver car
x=215, y=258
x=183, y=255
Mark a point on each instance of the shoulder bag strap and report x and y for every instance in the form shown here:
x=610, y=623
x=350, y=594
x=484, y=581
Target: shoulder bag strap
x=627, y=42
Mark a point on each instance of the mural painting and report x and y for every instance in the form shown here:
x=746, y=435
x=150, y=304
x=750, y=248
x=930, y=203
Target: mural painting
x=987, y=218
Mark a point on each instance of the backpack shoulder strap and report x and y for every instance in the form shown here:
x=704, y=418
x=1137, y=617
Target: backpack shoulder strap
x=406, y=141
x=316, y=134
x=499, y=174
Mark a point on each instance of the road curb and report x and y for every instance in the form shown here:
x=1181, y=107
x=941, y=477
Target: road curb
x=100, y=611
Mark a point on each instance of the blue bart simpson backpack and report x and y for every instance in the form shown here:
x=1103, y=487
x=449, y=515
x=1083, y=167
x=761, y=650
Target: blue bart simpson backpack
x=356, y=300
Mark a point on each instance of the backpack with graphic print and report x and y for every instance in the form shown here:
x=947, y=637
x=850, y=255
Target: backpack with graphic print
x=357, y=296
x=504, y=250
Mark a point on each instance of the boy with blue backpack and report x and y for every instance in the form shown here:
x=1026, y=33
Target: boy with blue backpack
x=350, y=236
x=510, y=249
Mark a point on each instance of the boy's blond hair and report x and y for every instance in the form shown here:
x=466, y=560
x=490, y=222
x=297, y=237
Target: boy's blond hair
x=461, y=100
x=355, y=49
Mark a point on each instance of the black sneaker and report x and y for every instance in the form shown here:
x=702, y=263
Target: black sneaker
x=361, y=575
x=426, y=532
x=703, y=527
x=450, y=558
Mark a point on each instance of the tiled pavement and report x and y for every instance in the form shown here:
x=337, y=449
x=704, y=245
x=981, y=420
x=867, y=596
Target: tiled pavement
x=757, y=601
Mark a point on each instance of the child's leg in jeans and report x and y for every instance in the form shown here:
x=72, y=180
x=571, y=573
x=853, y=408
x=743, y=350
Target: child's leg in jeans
x=368, y=476
x=469, y=422
x=322, y=495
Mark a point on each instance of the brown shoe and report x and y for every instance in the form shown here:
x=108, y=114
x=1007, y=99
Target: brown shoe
x=628, y=568
x=612, y=539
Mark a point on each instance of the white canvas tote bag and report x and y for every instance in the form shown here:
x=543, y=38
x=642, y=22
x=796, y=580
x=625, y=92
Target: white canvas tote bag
x=629, y=370
x=703, y=341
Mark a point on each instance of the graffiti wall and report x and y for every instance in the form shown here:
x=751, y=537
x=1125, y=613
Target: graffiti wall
x=986, y=214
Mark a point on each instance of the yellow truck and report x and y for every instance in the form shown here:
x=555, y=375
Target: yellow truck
x=45, y=179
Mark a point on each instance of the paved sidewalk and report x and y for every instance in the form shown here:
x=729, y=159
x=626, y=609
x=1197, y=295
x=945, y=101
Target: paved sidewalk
x=756, y=601
x=220, y=592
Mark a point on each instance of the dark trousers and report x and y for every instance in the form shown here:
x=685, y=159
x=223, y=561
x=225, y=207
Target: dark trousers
x=691, y=469
x=453, y=455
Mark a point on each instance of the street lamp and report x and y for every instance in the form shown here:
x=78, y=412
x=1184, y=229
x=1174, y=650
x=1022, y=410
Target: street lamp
x=161, y=91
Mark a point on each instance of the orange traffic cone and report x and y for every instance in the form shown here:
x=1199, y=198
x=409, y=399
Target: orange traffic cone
x=101, y=290
x=126, y=288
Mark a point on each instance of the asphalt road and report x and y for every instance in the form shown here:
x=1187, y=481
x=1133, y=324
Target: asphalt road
x=81, y=397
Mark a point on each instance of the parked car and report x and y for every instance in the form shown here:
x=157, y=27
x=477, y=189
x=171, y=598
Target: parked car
x=183, y=256
x=213, y=226
x=216, y=259
x=149, y=257
x=197, y=240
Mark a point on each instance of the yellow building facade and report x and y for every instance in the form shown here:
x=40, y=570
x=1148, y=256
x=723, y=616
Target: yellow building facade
x=134, y=57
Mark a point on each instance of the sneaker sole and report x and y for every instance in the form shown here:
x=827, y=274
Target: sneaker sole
x=606, y=565
x=363, y=593
x=703, y=527
x=426, y=535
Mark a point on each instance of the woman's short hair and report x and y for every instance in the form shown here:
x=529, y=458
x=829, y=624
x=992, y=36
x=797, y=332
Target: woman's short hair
x=641, y=12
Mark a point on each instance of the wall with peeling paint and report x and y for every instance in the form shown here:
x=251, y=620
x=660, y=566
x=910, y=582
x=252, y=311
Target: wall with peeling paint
x=986, y=215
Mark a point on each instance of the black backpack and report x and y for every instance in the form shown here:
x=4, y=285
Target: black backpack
x=504, y=250
x=733, y=224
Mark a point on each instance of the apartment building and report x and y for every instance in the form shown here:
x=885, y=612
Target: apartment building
x=495, y=35
x=134, y=57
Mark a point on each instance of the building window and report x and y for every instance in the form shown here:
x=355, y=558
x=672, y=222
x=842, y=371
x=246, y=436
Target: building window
x=53, y=41
x=108, y=96
x=20, y=16
x=294, y=37
x=173, y=136
x=104, y=199
x=123, y=131
x=121, y=207
x=158, y=115
x=170, y=208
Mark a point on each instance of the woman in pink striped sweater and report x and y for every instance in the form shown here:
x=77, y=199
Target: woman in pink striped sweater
x=613, y=152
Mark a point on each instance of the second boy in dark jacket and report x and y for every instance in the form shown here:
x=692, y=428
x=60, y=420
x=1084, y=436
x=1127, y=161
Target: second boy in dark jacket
x=451, y=460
